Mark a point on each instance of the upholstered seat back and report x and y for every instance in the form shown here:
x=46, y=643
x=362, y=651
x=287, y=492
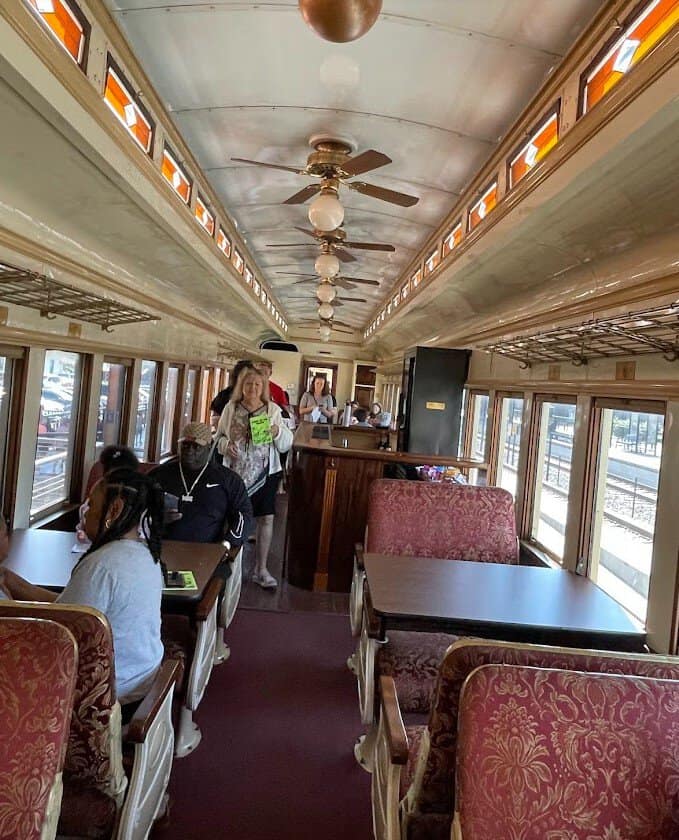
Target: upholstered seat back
x=441, y=519
x=93, y=766
x=97, y=471
x=564, y=754
x=38, y=666
x=435, y=787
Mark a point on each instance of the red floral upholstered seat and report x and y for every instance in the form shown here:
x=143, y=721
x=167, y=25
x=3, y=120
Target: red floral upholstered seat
x=559, y=754
x=94, y=779
x=428, y=519
x=38, y=663
x=432, y=750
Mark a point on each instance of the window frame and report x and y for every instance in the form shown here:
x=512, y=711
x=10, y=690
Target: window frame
x=451, y=234
x=212, y=219
x=124, y=82
x=152, y=438
x=227, y=250
x=237, y=260
x=168, y=152
x=496, y=434
x=492, y=185
x=539, y=125
x=591, y=478
x=15, y=418
x=635, y=12
x=468, y=433
x=532, y=468
x=77, y=13
x=126, y=403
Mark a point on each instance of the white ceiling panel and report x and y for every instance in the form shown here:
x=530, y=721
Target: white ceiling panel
x=433, y=85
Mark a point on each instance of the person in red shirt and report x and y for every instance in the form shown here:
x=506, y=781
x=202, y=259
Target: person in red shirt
x=278, y=395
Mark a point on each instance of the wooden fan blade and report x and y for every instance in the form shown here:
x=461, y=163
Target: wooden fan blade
x=351, y=299
x=365, y=162
x=297, y=171
x=303, y=195
x=343, y=284
x=369, y=246
x=308, y=232
x=291, y=245
x=343, y=256
x=297, y=274
x=362, y=281
x=383, y=194
x=297, y=282
x=344, y=324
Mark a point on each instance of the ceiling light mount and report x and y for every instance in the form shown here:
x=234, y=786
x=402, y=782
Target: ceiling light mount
x=340, y=21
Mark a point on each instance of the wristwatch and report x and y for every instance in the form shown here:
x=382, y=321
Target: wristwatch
x=226, y=544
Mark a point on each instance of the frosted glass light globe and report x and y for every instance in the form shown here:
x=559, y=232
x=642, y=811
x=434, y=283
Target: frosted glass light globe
x=324, y=331
x=326, y=311
x=326, y=292
x=327, y=265
x=326, y=212
x=325, y=338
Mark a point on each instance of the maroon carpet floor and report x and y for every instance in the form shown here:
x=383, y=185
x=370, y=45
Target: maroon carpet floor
x=279, y=720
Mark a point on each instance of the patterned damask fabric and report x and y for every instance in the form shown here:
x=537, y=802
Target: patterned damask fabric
x=440, y=519
x=94, y=757
x=415, y=735
x=560, y=755
x=437, y=790
x=413, y=660
x=38, y=661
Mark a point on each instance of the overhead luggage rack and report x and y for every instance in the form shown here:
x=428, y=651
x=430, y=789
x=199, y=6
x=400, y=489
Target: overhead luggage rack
x=51, y=298
x=647, y=331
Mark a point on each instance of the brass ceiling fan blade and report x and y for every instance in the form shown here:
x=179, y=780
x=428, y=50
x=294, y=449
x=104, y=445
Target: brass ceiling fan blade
x=393, y=197
x=369, y=246
x=303, y=195
x=343, y=256
x=297, y=170
x=342, y=283
x=365, y=162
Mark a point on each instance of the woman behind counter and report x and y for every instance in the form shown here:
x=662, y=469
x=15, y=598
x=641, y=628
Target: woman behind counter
x=257, y=463
x=316, y=403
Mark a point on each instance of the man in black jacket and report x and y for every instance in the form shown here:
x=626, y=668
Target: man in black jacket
x=213, y=502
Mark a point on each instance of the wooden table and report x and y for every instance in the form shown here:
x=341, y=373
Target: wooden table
x=513, y=603
x=45, y=559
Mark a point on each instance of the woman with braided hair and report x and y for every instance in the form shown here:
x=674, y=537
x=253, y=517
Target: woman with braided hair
x=120, y=575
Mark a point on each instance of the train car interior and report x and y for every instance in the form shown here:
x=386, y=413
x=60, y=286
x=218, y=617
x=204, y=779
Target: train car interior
x=339, y=413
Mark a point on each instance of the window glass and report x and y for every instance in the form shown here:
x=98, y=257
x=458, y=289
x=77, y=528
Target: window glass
x=111, y=398
x=176, y=176
x=540, y=144
x=187, y=410
x=66, y=23
x=555, y=452
x=166, y=437
x=56, y=430
x=5, y=394
x=483, y=206
x=145, y=395
x=509, y=443
x=623, y=524
x=120, y=99
x=453, y=239
x=479, y=425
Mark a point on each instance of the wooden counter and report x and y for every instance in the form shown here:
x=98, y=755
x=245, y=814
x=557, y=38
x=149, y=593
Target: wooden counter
x=328, y=498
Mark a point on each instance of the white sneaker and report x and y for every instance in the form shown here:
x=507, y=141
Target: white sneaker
x=266, y=580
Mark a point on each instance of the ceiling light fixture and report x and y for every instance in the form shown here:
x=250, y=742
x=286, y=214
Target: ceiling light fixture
x=326, y=292
x=326, y=212
x=327, y=265
x=324, y=331
x=325, y=311
x=340, y=20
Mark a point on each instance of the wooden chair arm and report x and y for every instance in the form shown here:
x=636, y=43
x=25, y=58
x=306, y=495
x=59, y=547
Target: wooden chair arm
x=392, y=722
x=212, y=592
x=359, y=551
x=167, y=676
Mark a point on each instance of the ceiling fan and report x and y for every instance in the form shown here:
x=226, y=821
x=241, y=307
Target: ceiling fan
x=336, y=301
x=331, y=163
x=348, y=283
x=332, y=323
x=335, y=242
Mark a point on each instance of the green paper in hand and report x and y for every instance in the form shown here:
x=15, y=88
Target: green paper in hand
x=260, y=429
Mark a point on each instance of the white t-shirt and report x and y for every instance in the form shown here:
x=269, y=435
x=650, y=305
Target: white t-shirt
x=122, y=581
